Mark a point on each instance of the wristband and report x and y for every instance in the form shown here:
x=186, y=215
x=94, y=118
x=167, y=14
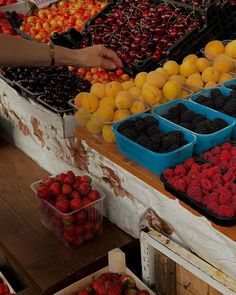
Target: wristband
x=52, y=52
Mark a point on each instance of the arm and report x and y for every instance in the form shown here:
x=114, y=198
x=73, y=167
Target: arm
x=15, y=51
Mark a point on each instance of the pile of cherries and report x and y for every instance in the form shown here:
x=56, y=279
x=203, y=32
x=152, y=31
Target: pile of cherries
x=140, y=29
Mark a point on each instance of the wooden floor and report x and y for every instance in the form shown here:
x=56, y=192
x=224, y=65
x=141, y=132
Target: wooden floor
x=43, y=260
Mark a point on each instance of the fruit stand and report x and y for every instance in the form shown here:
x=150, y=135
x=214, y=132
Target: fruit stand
x=157, y=138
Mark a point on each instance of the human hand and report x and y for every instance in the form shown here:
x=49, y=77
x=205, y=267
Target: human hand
x=97, y=56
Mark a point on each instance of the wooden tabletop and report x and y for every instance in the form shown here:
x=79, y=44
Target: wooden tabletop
x=42, y=259
x=110, y=151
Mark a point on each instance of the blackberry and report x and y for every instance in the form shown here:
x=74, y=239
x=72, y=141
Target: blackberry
x=130, y=133
x=219, y=102
x=209, y=103
x=143, y=141
x=215, y=92
x=168, y=117
x=202, y=127
x=150, y=120
x=220, y=122
x=187, y=116
x=140, y=125
x=230, y=108
x=232, y=86
x=169, y=141
x=176, y=133
x=232, y=95
x=156, y=139
x=174, y=112
x=181, y=107
x=173, y=147
x=129, y=124
x=200, y=99
x=152, y=130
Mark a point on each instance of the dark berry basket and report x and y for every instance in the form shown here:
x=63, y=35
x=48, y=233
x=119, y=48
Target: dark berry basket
x=217, y=219
x=61, y=111
x=228, y=19
x=188, y=43
x=26, y=93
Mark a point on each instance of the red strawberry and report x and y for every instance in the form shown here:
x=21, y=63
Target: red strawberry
x=76, y=204
x=70, y=230
x=83, y=292
x=79, y=230
x=48, y=181
x=68, y=238
x=86, y=178
x=86, y=202
x=71, y=174
x=77, y=178
x=79, y=241
x=68, y=219
x=44, y=193
x=60, y=177
x=76, y=185
x=84, y=188
x=68, y=180
x=81, y=217
x=88, y=236
x=99, y=287
x=93, y=195
x=89, y=226
x=74, y=195
x=63, y=206
x=55, y=189
x=114, y=288
x=97, y=227
x=52, y=202
x=3, y=289
x=66, y=189
x=61, y=197
x=127, y=281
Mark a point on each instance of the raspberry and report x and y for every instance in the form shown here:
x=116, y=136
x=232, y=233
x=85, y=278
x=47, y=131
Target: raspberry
x=210, y=172
x=180, y=170
x=206, y=166
x=207, y=155
x=225, y=211
x=180, y=185
x=225, y=155
x=233, y=151
x=196, y=167
x=216, y=150
x=206, y=200
x=213, y=206
x=206, y=184
x=232, y=170
x=168, y=173
x=234, y=198
x=217, y=185
x=224, y=164
x=193, y=174
x=233, y=205
x=195, y=193
x=188, y=163
x=229, y=177
x=224, y=192
x=226, y=146
x=194, y=182
x=213, y=197
x=229, y=186
x=225, y=200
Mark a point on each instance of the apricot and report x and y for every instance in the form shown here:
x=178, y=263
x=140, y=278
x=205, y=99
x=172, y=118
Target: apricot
x=210, y=74
x=213, y=48
x=223, y=65
x=137, y=107
x=191, y=57
x=107, y=134
x=94, y=126
x=79, y=98
x=224, y=77
x=151, y=94
x=179, y=79
x=121, y=114
x=194, y=82
x=127, y=85
x=171, y=90
x=123, y=100
x=90, y=103
x=201, y=64
x=82, y=117
x=156, y=78
x=105, y=113
x=164, y=72
x=113, y=88
x=187, y=68
x=99, y=90
x=230, y=49
x=210, y=84
x=140, y=79
x=135, y=91
x=108, y=101
x=171, y=67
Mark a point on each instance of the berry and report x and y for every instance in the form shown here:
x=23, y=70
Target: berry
x=195, y=193
x=213, y=206
x=44, y=193
x=63, y=206
x=226, y=211
x=76, y=204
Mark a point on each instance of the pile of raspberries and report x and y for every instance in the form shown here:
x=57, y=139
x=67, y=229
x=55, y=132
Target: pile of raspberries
x=206, y=184
x=219, y=102
x=145, y=131
x=193, y=121
x=224, y=156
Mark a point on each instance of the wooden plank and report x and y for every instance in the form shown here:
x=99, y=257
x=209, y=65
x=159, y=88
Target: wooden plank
x=33, y=253
x=165, y=274
x=190, y=282
x=181, y=290
x=213, y=291
x=111, y=152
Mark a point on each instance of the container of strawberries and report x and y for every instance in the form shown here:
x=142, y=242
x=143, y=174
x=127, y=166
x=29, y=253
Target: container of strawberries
x=70, y=207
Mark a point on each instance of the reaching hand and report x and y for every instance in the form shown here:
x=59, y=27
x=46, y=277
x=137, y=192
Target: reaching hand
x=98, y=56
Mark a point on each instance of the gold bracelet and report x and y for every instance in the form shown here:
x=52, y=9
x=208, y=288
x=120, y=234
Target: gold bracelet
x=52, y=52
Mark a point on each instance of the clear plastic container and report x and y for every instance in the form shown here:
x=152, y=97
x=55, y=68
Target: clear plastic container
x=86, y=223
x=54, y=109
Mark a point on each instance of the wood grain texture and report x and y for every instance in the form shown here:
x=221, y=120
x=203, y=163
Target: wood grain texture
x=43, y=259
x=110, y=151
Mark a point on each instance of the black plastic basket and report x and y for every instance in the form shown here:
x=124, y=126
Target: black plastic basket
x=220, y=220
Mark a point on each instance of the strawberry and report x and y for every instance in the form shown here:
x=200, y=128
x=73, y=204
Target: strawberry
x=86, y=202
x=66, y=189
x=127, y=281
x=68, y=180
x=70, y=230
x=77, y=178
x=81, y=217
x=84, y=188
x=99, y=287
x=3, y=289
x=63, y=206
x=68, y=238
x=88, y=226
x=44, y=193
x=88, y=236
x=93, y=195
x=84, y=292
x=48, y=181
x=71, y=175
x=61, y=197
x=68, y=219
x=60, y=177
x=97, y=227
x=79, y=240
x=79, y=230
x=114, y=288
x=86, y=178
x=76, y=185
x=76, y=204
x=55, y=189
x=74, y=195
